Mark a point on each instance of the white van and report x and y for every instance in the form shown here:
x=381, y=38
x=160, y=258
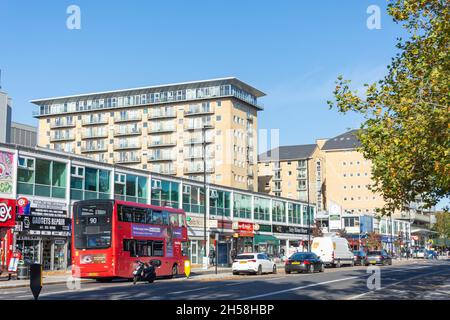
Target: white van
x=333, y=251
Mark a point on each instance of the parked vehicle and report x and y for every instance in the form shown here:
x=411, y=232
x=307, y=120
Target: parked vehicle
x=379, y=257
x=145, y=271
x=304, y=262
x=257, y=263
x=419, y=253
x=431, y=254
x=333, y=251
x=360, y=258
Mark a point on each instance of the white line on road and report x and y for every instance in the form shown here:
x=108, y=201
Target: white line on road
x=297, y=288
x=393, y=284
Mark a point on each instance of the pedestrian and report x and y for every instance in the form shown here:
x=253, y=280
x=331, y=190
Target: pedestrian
x=233, y=254
x=212, y=256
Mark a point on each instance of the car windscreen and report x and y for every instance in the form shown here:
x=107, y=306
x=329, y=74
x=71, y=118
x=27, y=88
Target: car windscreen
x=245, y=257
x=93, y=225
x=374, y=253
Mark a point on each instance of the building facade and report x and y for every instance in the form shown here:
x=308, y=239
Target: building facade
x=24, y=135
x=5, y=117
x=162, y=129
x=45, y=183
x=294, y=172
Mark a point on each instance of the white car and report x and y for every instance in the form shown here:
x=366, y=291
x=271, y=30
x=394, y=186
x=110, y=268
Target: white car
x=257, y=263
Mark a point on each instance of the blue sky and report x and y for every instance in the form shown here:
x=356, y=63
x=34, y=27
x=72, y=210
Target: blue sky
x=291, y=50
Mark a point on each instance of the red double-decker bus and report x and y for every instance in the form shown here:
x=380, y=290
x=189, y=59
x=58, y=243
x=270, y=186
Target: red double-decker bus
x=108, y=236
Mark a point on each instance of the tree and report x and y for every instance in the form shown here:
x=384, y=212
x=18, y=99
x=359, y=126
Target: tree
x=406, y=131
x=342, y=233
x=442, y=225
x=317, y=230
x=373, y=241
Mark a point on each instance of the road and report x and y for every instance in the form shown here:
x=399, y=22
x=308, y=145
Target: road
x=414, y=280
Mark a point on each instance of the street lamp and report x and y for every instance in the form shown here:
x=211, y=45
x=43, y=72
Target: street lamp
x=309, y=211
x=205, y=257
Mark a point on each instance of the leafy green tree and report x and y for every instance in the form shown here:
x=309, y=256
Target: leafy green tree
x=406, y=128
x=442, y=225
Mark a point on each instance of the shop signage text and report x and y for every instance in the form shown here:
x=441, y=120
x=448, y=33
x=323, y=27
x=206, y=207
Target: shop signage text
x=289, y=229
x=7, y=213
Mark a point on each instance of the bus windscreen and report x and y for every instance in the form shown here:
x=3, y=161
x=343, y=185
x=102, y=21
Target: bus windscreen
x=93, y=226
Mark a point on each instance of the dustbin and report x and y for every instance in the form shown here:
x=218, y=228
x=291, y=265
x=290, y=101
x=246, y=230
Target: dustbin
x=23, y=272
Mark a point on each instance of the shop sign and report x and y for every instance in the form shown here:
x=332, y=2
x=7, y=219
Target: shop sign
x=23, y=206
x=289, y=229
x=6, y=172
x=46, y=226
x=48, y=208
x=197, y=222
x=243, y=226
x=265, y=228
x=7, y=213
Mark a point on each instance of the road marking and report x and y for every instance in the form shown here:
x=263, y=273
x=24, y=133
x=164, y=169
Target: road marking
x=297, y=288
x=192, y=290
x=393, y=284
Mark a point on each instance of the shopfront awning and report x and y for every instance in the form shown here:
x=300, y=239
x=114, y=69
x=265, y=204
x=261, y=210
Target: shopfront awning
x=265, y=238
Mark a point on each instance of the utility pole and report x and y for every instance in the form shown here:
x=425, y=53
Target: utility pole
x=309, y=209
x=205, y=257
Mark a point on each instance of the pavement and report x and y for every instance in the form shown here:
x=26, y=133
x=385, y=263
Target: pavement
x=405, y=280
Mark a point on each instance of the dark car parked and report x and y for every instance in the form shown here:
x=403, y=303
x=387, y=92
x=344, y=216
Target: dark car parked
x=360, y=258
x=379, y=257
x=304, y=262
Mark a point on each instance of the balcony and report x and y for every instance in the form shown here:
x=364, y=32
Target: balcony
x=161, y=129
x=199, y=140
x=128, y=118
x=161, y=144
x=276, y=178
x=301, y=188
x=276, y=189
x=198, y=169
x=250, y=172
x=128, y=132
x=199, y=155
x=162, y=115
x=166, y=170
x=64, y=124
x=128, y=159
x=93, y=135
x=161, y=157
x=93, y=121
x=199, y=110
x=66, y=137
x=127, y=146
x=199, y=126
x=94, y=148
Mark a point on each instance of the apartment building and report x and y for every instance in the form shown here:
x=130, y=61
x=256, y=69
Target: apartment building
x=5, y=117
x=162, y=129
x=23, y=134
x=294, y=172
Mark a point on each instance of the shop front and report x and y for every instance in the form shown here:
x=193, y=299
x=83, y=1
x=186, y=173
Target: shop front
x=221, y=238
x=43, y=233
x=7, y=223
x=242, y=237
x=292, y=239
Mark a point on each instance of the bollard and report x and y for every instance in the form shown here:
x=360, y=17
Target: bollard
x=36, y=279
x=187, y=268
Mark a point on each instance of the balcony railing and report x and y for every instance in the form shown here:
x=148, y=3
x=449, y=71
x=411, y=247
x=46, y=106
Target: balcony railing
x=199, y=111
x=160, y=115
x=127, y=132
x=199, y=140
x=56, y=125
x=198, y=169
x=161, y=129
x=161, y=157
x=199, y=126
x=89, y=122
x=126, y=146
x=93, y=135
x=93, y=148
x=128, y=117
x=62, y=137
x=199, y=155
x=164, y=143
x=129, y=159
x=169, y=170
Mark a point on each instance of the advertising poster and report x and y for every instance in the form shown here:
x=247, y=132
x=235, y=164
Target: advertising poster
x=7, y=213
x=6, y=172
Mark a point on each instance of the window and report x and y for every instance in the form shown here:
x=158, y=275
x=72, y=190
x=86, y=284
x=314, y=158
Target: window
x=242, y=206
x=143, y=248
x=130, y=188
x=262, y=209
x=294, y=213
x=166, y=195
x=89, y=183
x=219, y=203
x=193, y=199
x=41, y=177
x=278, y=211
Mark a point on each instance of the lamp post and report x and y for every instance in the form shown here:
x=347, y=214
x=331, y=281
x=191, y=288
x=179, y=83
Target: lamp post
x=205, y=257
x=309, y=211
